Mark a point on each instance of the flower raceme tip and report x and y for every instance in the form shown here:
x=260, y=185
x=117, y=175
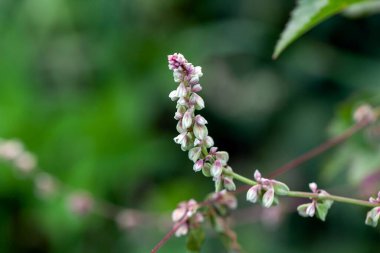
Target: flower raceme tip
x=193, y=133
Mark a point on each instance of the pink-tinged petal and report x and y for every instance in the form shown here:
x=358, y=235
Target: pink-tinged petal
x=253, y=193
x=200, y=132
x=198, y=165
x=222, y=156
x=213, y=150
x=195, y=153
x=181, y=90
x=257, y=175
x=310, y=210
x=313, y=187
x=187, y=119
x=182, y=230
x=196, y=88
x=209, y=142
x=180, y=138
x=200, y=120
x=178, y=214
x=268, y=198
x=216, y=169
x=173, y=95
x=229, y=184
x=197, y=101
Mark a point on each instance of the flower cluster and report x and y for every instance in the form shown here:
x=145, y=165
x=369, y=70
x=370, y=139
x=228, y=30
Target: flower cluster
x=80, y=203
x=223, y=202
x=14, y=152
x=373, y=215
x=265, y=190
x=364, y=113
x=318, y=207
x=193, y=133
x=186, y=216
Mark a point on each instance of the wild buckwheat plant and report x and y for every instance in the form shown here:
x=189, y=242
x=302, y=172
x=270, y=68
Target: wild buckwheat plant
x=189, y=217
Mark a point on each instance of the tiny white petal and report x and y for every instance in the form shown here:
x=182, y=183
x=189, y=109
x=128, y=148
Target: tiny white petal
x=257, y=175
x=253, y=193
x=313, y=187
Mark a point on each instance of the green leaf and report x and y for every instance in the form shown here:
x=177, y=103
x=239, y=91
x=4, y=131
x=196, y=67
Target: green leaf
x=362, y=9
x=195, y=240
x=308, y=14
x=322, y=209
x=280, y=188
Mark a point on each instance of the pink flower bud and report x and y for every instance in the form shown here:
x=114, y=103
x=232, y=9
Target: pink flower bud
x=253, y=193
x=176, y=60
x=80, y=203
x=213, y=150
x=11, y=149
x=178, y=116
x=313, y=187
x=196, y=88
x=179, y=213
x=195, y=153
x=173, y=95
x=364, y=113
x=268, y=198
x=25, y=162
x=197, y=101
x=310, y=210
x=216, y=169
x=182, y=101
x=200, y=131
x=179, y=127
x=182, y=230
x=222, y=156
x=200, y=120
x=187, y=119
x=229, y=184
x=180, y=138
x=209, y=142
x=181, y=90
x=257, y=175
x=198, y=165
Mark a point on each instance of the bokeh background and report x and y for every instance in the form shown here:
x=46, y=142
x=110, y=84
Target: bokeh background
x=84, y=85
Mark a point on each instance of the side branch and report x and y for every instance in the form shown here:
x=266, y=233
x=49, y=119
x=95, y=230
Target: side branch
x=320, y=149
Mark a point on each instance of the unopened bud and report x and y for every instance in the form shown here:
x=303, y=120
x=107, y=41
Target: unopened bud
x=197, y=101
x=187, y=119
x=198, y=165
x=80, y=203
x=216, y=169
x=200, y=131
x=364, y=113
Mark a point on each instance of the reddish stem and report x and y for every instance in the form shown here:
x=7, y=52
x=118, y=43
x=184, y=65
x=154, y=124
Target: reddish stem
x=319, y=149
x=169, y=235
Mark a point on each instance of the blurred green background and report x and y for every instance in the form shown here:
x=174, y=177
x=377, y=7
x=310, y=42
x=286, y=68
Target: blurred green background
x=84, y=84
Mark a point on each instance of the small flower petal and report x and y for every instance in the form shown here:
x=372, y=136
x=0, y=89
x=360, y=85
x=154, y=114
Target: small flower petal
x=216, y=169
x=198, y=165
x=253, y=193
x=268, y=198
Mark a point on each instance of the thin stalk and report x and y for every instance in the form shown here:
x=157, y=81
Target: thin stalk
x=240, y=178
x=319, y=149
x=358, y=202
x=299, y=194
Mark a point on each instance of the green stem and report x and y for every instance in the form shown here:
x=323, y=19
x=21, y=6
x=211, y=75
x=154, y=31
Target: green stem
x=239, y=178
x=358, y=202
x=298, y=194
